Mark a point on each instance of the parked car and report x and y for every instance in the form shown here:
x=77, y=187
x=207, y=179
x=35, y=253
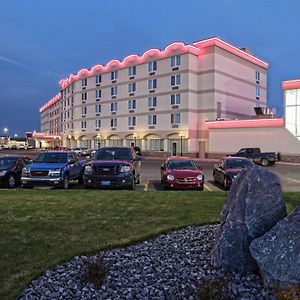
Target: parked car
x=54, y=168
x=258, y=157
x=113, y=167
x=11, y=170
x=228, y=168
x=83, y=151
x=181, y=173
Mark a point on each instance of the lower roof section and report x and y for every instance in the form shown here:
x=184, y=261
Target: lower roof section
x=291, y=84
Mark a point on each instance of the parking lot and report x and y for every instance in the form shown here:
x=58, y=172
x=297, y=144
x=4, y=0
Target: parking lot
x=288, y=173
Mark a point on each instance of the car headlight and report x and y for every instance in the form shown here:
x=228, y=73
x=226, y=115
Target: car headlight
x=170, y=177
x=2, y=173
x=25, y=171
x=88, y=169
x=125, y=169
x=199, y=177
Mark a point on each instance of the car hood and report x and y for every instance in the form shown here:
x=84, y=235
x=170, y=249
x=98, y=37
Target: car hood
x=42, y=166
x=184, y=173
x=108, y=162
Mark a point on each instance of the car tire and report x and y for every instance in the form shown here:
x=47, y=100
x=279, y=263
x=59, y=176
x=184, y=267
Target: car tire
x=66, y=182
x=11, y=183
x=200, y=188
x=132, y=186
x=215, y=178
x=80, y=180
x=264, y=162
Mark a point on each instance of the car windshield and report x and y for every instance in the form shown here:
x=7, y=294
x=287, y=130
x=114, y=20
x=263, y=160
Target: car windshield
x=52, y=158
x=109, y=154
x=238, y=163
x=6, y=162
x=182, y=165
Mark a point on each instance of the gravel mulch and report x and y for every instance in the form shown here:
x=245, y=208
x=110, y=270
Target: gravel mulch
x=167, y=267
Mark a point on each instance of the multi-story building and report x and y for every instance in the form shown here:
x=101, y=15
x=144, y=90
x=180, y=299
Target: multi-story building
x=162, y=99
x=291, y=90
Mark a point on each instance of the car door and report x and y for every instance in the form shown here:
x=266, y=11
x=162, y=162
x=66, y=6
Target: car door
x=74, y=167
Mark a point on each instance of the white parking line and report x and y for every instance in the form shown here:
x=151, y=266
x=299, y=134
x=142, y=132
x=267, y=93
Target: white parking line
x=208, y=188
x=295, y=180
x=146, y=186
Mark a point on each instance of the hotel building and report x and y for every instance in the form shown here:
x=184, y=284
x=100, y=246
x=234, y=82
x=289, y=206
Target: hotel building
x=161, y=100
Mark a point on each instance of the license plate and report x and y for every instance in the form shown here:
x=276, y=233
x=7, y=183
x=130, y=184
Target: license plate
x=105, y=182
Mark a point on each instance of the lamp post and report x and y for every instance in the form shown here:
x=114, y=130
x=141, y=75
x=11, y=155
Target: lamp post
x=5, y=130
x=181, y=136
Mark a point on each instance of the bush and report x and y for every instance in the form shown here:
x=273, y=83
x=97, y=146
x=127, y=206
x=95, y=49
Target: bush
x=95, y=270
x=292, y=293
x=212, y=290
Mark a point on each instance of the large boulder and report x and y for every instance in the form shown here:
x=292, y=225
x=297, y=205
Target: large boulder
x=254, y=205
x=277, y=253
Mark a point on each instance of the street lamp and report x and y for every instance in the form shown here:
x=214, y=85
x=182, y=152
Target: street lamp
x=134, y=136
x=5, y=130
x=181, y=136
x=15, y=135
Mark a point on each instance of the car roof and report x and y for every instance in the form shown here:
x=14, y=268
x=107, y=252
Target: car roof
x=112, y=147
x=235, y=158
x=179, y=158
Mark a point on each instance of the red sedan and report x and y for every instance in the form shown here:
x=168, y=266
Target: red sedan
x=181, y=173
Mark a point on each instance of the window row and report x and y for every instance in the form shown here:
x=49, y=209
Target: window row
x=131, y=104
x=132, y=121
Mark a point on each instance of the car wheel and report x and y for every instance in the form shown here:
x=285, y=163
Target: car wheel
x=11, y=181
x=264, y=162
x=132, y=186
x=66, y=182
x=80, y=179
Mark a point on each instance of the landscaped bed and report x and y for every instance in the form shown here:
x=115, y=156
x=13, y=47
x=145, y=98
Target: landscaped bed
x=41, y=228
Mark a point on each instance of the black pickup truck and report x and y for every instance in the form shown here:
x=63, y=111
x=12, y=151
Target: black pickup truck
x=258, y=157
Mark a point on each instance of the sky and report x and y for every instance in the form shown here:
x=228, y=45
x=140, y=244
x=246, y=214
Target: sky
x=44, y=41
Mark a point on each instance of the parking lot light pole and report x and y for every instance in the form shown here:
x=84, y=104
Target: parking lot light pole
x=181, y=136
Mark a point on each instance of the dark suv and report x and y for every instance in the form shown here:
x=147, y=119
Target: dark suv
x=113, y=167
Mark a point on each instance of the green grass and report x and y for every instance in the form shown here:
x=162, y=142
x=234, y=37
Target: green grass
x=41, y=228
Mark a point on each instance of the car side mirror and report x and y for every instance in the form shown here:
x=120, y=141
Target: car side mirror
x=162, y=167
x=199, y=167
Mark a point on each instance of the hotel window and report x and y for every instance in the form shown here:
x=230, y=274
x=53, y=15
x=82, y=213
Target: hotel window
x=257, y=92
x=68, y=89
x=114, y=106
x=131, y=121
x=152, y=84
x=132, y=71
x=98, y=108
x=83, y=96
x=98, y=123
x=113, y=123
x=68, y=102
x=152, y=102
x=83, y=110
x=98, y=94
x=175, y=80
x=175, y=99
x=152, y=120
x=84, y=82
x=132, y=104
x=83, y=124
x=72, y=101
x=131, y=87
x=72, y=86
x=114, y=75
x=152, y=66
x=175, y=61
x=175, y=118
x=98, y=79
x=257, y=76
x=114, y=90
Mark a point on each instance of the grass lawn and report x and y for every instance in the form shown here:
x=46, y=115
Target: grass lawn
x=41, y=228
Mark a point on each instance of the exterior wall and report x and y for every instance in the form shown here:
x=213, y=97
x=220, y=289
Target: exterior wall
x=269, y=139
x=209, y=74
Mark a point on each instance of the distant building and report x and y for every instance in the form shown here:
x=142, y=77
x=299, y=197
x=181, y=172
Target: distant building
x=160, y=100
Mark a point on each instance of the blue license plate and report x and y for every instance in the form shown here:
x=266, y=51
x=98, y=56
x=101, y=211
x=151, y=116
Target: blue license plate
x=105, y=182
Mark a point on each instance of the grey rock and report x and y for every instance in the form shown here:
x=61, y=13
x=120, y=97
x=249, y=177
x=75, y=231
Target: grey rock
x=278, y=252
x=254, y=205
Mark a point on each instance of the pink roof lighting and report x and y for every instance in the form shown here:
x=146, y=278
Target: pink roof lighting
x=291, y=84
x=276, y=122
x=50, y=102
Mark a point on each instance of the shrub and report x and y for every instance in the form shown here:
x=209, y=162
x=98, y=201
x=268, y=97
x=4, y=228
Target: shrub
x=95, y=270
x=292, y=293
x=212, y=290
